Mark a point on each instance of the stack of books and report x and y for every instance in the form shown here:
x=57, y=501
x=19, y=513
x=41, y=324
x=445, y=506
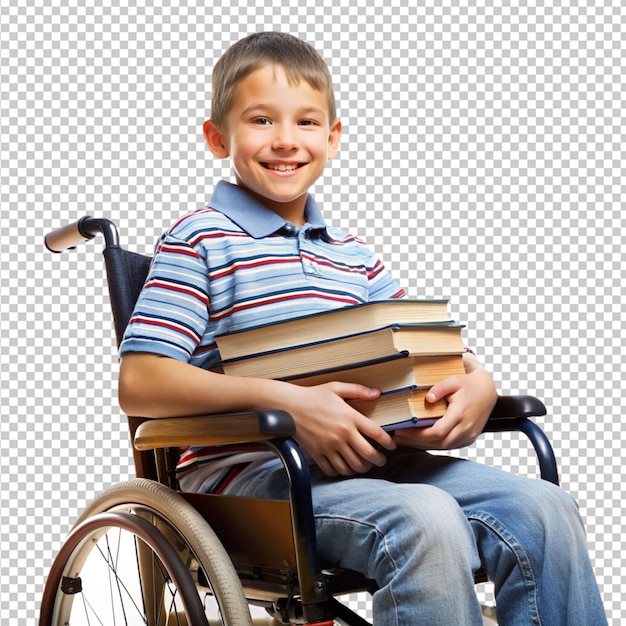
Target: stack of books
x=402, y=347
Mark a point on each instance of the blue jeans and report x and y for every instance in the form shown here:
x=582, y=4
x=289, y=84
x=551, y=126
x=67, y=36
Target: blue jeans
x=422, y=525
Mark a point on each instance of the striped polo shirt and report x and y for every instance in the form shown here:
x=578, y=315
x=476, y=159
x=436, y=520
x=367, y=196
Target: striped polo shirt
x=235, y=264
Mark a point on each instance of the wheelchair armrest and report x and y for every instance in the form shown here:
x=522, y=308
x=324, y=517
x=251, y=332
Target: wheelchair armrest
x=214, y=430
x=516, y=407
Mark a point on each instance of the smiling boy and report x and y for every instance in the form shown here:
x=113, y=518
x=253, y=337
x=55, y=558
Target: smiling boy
x=259, y=251
x=279, y=137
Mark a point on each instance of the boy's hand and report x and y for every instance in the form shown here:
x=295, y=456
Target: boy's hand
x=471, y=399
x=333, y=433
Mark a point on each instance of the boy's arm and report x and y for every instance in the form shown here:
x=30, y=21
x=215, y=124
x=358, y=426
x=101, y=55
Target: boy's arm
x=471, y=399
x=330, y=430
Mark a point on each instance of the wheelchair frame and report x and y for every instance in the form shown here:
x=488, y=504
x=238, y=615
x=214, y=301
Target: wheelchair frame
x=288, y=577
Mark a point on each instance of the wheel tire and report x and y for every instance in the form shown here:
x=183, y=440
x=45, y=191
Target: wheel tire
x=175, y=516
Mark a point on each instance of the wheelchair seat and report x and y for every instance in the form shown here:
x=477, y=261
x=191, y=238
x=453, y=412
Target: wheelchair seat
x=205, y=541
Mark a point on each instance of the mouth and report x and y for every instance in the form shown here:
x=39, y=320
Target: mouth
x=282, y=167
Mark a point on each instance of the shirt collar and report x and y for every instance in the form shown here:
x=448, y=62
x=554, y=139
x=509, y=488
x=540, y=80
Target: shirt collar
x=255, y=218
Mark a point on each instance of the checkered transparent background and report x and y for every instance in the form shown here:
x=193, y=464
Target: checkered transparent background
x=483, y=158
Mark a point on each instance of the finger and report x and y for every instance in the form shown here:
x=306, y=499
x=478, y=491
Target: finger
x=348, y=463
x=356, y=455
x=420, y=440
x=357, y=463
x=367, y=454
x=375, y=433
x=431, y=437
x=326, y=466
x=443, y=389
x=411, y=437
x=353, y=391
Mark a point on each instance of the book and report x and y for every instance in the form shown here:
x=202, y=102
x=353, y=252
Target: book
x=410, y=339
x=396, y=372
x=335, y=323
x=401, y=408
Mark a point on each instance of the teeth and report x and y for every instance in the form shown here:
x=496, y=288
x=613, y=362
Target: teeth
x=282, y=167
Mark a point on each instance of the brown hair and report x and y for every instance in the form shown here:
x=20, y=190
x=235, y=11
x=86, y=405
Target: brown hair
x=299, y=60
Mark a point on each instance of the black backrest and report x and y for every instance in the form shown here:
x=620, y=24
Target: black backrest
x=126, y=274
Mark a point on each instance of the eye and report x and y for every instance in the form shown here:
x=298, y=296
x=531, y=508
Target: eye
x=261, y=121
x=308, y=123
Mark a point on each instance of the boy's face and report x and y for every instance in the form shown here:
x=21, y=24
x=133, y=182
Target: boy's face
x=278, y=138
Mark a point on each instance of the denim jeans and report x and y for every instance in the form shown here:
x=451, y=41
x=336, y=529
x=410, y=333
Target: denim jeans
x=422, y=525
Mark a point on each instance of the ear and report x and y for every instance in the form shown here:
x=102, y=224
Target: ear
x=214, y=140
x=334, y=139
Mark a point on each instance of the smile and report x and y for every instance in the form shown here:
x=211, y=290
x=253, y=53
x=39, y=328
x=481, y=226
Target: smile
x=282, y=167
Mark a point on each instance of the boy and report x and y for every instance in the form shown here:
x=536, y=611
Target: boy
x=260, y=251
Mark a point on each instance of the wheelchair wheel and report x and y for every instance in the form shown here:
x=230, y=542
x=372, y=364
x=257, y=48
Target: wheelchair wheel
x=194, y=543
x=74, y=589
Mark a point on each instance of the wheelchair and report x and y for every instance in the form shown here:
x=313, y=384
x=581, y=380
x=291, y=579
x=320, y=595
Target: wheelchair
x=145, y=553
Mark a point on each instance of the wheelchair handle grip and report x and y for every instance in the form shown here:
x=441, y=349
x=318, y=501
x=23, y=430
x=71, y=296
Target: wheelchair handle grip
x=86, y=228
x=68, y=237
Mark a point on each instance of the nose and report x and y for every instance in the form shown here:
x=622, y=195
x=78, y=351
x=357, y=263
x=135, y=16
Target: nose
x=284, y=138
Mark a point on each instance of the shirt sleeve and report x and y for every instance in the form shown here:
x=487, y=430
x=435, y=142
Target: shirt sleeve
x=172, y=311
x=381, y=284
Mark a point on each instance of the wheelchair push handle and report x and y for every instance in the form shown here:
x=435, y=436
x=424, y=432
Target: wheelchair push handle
x=86, y=228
